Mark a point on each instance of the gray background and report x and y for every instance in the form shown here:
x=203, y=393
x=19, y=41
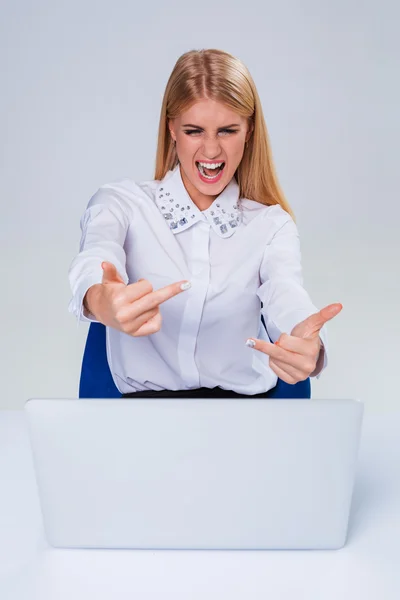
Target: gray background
x=81, y=90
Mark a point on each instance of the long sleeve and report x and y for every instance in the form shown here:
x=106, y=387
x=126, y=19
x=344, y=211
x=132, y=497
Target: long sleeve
x=104, y=226
x=285, y=301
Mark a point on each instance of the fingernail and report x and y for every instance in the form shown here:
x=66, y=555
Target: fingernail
x=250, y=343
x=186, y=285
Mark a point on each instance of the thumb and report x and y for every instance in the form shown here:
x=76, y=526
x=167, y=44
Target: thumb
x=310, y=327
x=110, y=273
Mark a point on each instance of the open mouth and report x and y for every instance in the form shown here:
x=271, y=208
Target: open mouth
x=211, y=171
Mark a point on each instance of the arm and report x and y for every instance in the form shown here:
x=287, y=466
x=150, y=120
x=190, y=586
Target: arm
x=285, y=301
x=104, y=225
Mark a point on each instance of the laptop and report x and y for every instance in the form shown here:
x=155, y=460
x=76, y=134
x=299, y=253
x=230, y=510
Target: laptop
x=192, y=473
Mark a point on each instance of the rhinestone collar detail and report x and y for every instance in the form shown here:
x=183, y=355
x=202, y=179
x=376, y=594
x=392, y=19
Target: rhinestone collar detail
x=180, y=212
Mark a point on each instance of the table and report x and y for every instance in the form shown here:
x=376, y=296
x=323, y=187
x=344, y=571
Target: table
x=368, y=567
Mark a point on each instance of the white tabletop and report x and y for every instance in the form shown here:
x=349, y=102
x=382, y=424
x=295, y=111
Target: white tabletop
x=366, y=568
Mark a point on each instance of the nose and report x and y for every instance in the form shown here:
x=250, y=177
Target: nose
x=211, y=149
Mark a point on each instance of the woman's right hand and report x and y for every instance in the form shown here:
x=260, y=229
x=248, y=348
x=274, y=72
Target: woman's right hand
x=133, y=308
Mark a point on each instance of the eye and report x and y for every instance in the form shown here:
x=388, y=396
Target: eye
x=229, y=130
x=194, y=131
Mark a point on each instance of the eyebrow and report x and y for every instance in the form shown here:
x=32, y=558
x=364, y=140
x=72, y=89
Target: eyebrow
x=224, y=127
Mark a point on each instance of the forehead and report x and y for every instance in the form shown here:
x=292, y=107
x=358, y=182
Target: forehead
x=210, y=113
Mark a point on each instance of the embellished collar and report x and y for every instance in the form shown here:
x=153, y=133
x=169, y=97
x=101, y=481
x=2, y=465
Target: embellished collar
x=180, y=212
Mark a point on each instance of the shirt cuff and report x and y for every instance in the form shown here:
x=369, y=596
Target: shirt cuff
x=322, y=360
x=76, y=306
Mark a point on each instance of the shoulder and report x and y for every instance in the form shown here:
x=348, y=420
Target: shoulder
x=272, y=216
x=124, y=194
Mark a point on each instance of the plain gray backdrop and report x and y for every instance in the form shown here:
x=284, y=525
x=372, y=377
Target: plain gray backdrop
x=81, y=91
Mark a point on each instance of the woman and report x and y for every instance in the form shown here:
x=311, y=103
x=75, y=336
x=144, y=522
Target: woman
x=177, y=267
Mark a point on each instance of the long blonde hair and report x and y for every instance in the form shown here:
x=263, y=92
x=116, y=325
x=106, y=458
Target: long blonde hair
x=215, y=74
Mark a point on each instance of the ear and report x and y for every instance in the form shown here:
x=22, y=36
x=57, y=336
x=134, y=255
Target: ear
x=171, y=130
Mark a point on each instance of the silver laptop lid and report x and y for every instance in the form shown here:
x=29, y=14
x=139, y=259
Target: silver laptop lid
x=195, y=473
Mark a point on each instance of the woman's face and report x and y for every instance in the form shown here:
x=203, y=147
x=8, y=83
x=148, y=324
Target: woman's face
x=208, y=132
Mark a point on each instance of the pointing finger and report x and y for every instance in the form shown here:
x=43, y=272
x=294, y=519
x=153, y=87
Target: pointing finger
x=286, y=356
x=144, y=289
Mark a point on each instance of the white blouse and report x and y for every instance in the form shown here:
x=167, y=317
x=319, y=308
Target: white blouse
x=236, y=254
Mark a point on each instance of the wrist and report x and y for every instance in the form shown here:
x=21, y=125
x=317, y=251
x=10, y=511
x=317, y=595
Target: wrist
x=90, y=300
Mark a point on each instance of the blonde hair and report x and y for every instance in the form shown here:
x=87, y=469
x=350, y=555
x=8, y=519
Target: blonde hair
x=219, y=76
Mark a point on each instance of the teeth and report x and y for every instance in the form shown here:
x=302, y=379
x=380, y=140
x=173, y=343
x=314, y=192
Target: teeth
x=211, y=165
x=201, y=166
x=201, y=169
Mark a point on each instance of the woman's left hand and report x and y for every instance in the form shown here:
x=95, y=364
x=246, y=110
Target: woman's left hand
x=294, y=357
